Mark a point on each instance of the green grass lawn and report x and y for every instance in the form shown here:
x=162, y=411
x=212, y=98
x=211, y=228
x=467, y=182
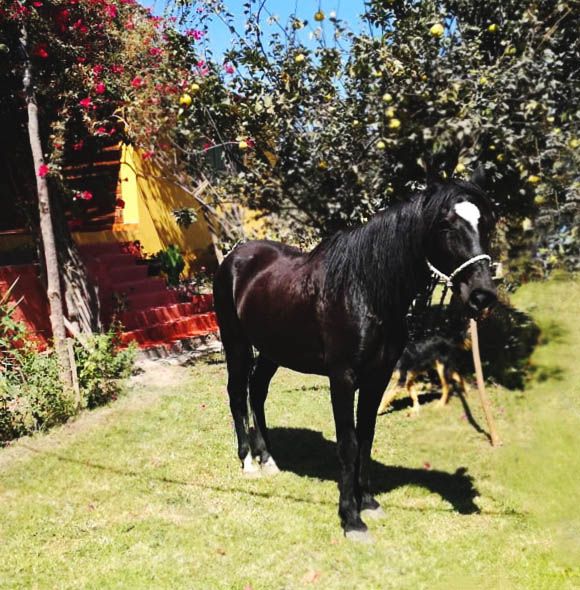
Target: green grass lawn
x=148, y=493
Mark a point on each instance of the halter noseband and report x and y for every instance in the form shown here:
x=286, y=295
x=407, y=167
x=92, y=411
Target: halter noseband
x=448, y=279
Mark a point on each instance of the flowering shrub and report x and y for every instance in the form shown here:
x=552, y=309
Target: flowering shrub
x=32, y=396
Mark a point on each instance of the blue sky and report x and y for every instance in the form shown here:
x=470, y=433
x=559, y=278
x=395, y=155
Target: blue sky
x=347, y=10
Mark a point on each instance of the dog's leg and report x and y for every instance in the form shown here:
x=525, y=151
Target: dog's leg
x=412, y=389
x=440, y=367
x=390, y=393
x=460, y=381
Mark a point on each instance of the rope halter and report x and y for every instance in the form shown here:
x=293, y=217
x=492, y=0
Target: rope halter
x=448, y=279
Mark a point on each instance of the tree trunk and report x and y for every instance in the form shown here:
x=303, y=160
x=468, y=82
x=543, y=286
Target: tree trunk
x=53, y=290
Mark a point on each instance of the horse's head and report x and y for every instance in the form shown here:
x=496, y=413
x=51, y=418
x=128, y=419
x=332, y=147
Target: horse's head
x=461, y=224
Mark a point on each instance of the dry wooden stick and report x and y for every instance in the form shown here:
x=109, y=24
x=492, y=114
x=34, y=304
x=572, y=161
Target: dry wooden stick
x=495, y=441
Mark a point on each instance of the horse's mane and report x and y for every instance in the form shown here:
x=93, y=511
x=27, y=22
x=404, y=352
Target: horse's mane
x=381, y=262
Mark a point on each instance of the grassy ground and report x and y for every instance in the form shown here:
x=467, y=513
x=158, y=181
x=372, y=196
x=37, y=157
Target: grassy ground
x=148, y=493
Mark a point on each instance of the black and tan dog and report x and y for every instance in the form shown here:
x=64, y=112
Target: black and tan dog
x=419, y=357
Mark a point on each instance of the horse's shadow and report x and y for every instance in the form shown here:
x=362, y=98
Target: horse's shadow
x=307, y=453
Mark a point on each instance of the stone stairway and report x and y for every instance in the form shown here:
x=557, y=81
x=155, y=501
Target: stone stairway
x=151, y=314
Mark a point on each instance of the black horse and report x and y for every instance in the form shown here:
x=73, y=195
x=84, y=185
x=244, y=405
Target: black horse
x=339, y=311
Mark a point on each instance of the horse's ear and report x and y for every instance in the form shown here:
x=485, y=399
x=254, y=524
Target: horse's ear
x=479, y=177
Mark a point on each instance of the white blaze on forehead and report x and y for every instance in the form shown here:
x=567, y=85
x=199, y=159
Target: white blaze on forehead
x=469, y=212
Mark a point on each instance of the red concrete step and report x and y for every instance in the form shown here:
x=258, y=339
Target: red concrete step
x=133, y=272
x=116, y=260
x=112, y=247
x=197, y=325
x=147, y=285
x=140, y=318
x=149, y=300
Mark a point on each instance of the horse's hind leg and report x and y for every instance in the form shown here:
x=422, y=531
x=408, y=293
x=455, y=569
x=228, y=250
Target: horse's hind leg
x=239, y=361
x=259, y=382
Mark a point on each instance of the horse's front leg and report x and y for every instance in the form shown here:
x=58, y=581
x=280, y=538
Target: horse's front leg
x=342, y=388
x=369, y=398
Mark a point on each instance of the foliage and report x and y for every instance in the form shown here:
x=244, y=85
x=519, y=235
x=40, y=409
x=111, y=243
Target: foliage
x=171, y=262
x=508, y=338
x=32, y=396
x=102, y=367
x=355, y=120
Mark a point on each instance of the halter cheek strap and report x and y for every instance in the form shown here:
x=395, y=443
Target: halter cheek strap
x=448, y=279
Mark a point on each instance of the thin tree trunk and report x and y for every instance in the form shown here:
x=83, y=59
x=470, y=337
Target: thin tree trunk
x=53, y=291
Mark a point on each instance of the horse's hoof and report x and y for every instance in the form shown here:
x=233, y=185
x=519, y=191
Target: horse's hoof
x=251, y=470
x=373, y=513
x=270, y=468
x=359, y=536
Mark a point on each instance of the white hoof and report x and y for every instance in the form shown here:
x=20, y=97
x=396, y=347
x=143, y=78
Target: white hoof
x=270, y=467
x=373, y=513
x=250, y=470
x=359, y=536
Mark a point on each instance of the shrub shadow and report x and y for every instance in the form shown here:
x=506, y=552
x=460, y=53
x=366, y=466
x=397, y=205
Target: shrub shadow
x=307, y=453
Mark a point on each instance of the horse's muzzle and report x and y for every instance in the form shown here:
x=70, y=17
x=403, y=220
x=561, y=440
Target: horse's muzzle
x=480, y=300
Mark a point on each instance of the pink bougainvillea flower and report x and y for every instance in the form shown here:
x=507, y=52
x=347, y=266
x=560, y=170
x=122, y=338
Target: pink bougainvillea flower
x=155, y=51
x=203, y=69
x=208, y=146
x=117, y=69
x=86, y=102
x=78, y=146
x=37, y=4
x=164, y=146
x=97, y=70
x=112, y=130
x=250, y=143
x=81, y=60
x=229, y=68
x=148, y=155
x=40, y=50
x=43, y=170
x=195, y=33
x=86, y=195
x=137, y=82
x=111, y=10
x=100, y=88
x=101, y=130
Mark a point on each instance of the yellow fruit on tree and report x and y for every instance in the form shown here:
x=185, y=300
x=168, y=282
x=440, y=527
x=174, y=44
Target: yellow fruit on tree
x=194, y=87
x=185, y=100
x=387, y=97
x=394, y=124
x=437, y=30
x=381, y=145
x=460, y=168
x=500, y=158
x=390, y=112
x=493, y=28
x=243, y=145
x=539, y=200
x=574, y=143
x=299, y=58
x=533, y=179
x=319, y=16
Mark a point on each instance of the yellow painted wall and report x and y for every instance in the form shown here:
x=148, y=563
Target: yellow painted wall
x=150, y=201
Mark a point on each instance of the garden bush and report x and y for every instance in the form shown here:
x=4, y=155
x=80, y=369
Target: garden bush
x=32, y=396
